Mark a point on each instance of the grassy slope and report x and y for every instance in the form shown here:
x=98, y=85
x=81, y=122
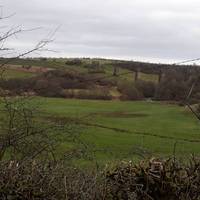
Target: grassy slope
x=51, y=63
x=164, y=120
x=11, y=73
x=60, y=64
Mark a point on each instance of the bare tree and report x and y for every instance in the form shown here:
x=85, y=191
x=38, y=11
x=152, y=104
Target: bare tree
x=22, y=135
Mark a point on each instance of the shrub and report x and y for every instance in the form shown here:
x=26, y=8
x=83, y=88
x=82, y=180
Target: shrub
x=129, y=91
x=172, y=89
x=48, y=88
x=75, y=61
x=94, y=94
x=156, y=179
x=17, y=85
x=198, y=108
x=72, y=84
x=152, y=179
x=147, y=88
x=53, y=181
x=68, y=93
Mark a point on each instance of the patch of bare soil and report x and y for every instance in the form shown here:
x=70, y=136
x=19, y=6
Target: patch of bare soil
x=121, y=114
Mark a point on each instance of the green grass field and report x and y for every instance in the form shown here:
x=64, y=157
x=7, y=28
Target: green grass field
x=121, y=130
x=11, y=73
x=60, y=64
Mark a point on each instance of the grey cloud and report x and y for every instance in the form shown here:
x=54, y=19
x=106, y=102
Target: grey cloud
x=141, y=29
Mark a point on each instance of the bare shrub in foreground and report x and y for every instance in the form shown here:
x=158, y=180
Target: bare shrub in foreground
x=148, y=180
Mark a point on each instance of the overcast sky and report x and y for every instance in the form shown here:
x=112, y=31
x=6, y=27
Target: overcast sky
x=146, y=30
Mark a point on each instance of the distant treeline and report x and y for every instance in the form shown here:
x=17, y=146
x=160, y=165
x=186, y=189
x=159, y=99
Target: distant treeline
x=155, y=68
x=173, y=85
x=58, y=83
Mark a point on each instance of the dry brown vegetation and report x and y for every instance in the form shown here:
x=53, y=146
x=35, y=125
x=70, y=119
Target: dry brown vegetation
x=149, y=180
x=72, y=84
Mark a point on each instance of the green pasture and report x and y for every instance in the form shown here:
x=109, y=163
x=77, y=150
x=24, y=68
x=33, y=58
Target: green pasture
x=11, y=73
x=124, y=74
x=123, y=130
